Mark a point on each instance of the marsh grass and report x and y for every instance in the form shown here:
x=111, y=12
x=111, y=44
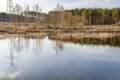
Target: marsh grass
x=118, y=24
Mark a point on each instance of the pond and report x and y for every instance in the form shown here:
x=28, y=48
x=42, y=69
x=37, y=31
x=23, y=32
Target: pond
x=45, y=59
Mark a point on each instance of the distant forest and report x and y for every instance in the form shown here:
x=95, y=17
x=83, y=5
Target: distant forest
x=90, y=16
x=98, y=15
x=74, y=17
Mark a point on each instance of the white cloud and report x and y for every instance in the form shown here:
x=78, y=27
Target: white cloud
x=107, y=1
x=9, y=76
x=112, y=1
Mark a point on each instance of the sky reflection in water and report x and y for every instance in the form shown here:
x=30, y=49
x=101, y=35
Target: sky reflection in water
x=44, y=59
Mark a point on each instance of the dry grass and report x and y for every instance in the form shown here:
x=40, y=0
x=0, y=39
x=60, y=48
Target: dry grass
x=118, y=24
x=97, y=31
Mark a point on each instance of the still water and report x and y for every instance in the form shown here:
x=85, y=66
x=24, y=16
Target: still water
x=44, y=59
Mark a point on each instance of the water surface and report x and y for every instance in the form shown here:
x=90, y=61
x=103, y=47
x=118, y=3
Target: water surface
x=44, y=59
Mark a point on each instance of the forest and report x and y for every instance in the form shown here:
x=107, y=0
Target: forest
x=98, y=15
x=85, y=16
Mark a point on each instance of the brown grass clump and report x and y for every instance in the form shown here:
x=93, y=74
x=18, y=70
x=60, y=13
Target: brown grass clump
x=118, y=24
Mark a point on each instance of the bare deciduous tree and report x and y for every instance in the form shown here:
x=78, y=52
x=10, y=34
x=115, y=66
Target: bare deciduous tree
x=18, y=11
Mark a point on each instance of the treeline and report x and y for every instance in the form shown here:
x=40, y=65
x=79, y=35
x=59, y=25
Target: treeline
x=89, y=16
x=4, y=17
x=98, y=15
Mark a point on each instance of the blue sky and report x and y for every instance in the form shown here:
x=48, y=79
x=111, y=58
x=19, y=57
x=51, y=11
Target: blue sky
x=48, y=5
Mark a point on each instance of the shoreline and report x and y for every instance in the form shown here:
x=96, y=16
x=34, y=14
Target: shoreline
x=47, y=29
x=104, y=35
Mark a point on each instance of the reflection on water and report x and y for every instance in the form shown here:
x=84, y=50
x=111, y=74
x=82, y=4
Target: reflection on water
x=44, y=59
x=58, y=46
x=111, y=41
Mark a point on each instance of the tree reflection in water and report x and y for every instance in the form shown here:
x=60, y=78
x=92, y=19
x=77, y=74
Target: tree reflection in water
x=18, y=44
x=12, y=73
x=12, y=55
x=58, y=46
x=111, y=41
x=37, y=46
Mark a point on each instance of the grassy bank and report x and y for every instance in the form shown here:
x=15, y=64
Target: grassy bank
x=32, y=30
